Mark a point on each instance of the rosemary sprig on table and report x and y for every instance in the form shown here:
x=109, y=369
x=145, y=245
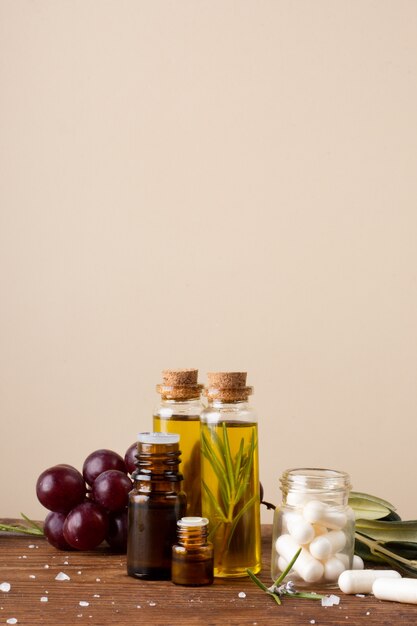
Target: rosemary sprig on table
x=233, y=475
x=277, y=590
x=31, y=529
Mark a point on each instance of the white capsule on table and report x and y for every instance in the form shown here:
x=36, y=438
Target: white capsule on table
x=333, y=567
x=306, y=566
x=396, y=590
x=357, y=562
x=317, y=512
x=361, y=581
x=298, y=528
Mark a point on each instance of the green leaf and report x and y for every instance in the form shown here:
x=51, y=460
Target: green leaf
x=228, y=460
x=244, y=480
x=242, y=511
x=238, y=460
x=388, y=531
x=214, y=503
x=368, y=509
x=359, y=495
x=218, y=470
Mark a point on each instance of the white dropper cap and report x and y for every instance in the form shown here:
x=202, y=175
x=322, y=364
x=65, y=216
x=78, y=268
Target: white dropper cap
x=158, y=438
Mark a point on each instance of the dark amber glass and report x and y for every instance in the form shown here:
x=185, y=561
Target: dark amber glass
x=192, y=557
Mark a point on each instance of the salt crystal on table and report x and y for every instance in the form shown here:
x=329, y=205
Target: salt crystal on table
x=46, y=566
x=32, y=576
x=84, y=603
x=312, y=621
x=360, y=595
x=44, y=599
x=330, y=600
x=11, y=620
x=242, y=594
x=66, y=563
x=79, y=572
x=5, y=587
x=98, y=580
x=96, y=595
x=32, y=545
x=152, y=603
x=62, y=576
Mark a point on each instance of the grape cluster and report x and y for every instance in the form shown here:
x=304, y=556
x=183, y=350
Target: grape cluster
x=89, y=507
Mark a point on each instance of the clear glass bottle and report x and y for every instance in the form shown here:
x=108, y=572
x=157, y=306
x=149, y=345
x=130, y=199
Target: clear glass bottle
x=179, y=412
x=315, y=516
x=230, y=474
x=192, y=556
x=156, y=503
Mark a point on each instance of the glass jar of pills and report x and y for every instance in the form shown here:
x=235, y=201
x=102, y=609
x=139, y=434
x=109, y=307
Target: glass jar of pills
x=314, y=516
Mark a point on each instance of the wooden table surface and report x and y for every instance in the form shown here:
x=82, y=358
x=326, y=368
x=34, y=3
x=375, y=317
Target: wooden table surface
x=100, y=592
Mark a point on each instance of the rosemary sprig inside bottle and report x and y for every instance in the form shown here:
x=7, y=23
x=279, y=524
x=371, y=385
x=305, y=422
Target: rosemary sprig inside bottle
x=277, y=590
x=233, y=474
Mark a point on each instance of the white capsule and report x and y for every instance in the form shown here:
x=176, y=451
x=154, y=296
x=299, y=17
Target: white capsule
x=333, y=567
x=295, y=498
x=298, y=528
x=306, y=566
x=323, y=546
x=361, y=581
x=317, y=512
x=319, y=530
x=396, y=590
x=357, y=562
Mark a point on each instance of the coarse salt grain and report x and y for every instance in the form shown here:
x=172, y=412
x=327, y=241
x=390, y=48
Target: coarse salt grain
x=11, y=620
x=32, y=576
x=44, y=599
x=152, y=603
x=79, y=571
x=84, y=603
x=360, y=595
x=62, y=576
x=330, y=600
x=312, y=621
x=242, y=594
x=367, y=613
x=32, y=545
x=46, y=566
x=66, y=563
x=24, y=556
x=5, y=587
x=96, y=595
x=98, y=580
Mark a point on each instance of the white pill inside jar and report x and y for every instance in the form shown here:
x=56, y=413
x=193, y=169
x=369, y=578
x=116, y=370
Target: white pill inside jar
x=309, y=568
x=396, y=590
x=361, y=581
x=323, y=546
x=357, y=562
x=333, y=567
x=317, y=512
x=345, y=560
x=302, y=531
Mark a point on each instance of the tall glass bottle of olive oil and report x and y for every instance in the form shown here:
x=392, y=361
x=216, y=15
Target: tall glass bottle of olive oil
x=179, y=412
x=230, y=474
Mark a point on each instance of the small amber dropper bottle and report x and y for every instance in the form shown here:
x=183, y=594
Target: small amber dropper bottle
x=192, y=557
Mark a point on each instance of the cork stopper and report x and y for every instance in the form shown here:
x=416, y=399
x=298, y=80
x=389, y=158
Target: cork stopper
x=179, y=384
x=227, y=386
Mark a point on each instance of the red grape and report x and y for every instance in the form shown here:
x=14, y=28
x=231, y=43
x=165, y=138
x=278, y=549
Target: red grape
x=117, y=533
x=110, y=489
x=99, y=461
x=130, y=458
x=53, y=530
x=86, y=526
x=60, y=488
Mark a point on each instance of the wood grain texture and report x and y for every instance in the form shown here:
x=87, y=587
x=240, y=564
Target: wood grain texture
x=100, y=579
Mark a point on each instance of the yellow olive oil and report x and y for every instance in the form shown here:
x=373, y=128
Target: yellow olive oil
x=188, y=428
x=230, y=495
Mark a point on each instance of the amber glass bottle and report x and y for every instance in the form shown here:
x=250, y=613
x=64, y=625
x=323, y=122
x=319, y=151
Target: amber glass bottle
x=156, y=503
x=230, y=475
x=179, y=412
x=192, y=557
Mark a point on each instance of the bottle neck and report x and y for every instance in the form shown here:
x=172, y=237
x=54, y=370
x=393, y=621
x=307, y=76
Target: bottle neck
x=192, y=537
x=157, y=463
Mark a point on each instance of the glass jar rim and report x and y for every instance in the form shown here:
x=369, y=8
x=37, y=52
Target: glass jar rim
x=315, y=479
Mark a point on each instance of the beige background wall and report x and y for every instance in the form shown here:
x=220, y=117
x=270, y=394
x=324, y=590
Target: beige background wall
x=216, y=184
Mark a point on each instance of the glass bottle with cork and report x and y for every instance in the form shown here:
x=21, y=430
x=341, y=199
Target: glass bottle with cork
x=230, y=474
x=156, y=503
x=192, y=556
x=179, y=412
